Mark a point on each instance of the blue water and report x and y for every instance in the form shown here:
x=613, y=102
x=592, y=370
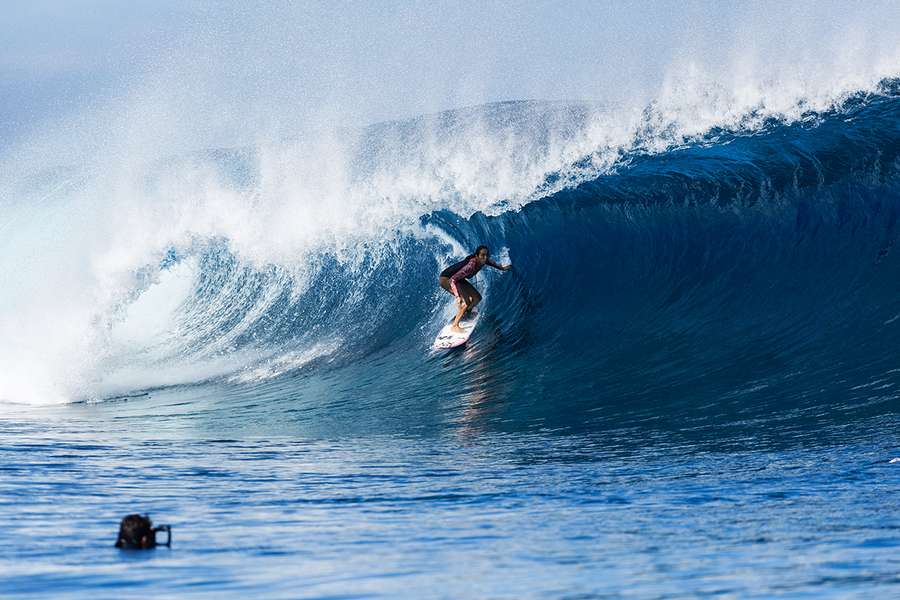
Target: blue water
x=462, y=512
x=687, y=386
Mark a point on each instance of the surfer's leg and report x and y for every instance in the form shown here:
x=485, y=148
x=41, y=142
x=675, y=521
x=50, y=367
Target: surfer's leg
x=469, y=293
x=459, y=314
x=445, y=283
x=476, y=298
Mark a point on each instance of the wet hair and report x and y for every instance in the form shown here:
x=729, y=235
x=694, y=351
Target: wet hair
x=136, y=532
x=479, y=249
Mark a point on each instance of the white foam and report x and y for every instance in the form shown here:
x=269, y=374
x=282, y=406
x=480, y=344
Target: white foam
x=279, y=364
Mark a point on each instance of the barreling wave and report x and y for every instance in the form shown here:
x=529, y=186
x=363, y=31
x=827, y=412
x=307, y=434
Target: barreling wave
x=746, y=273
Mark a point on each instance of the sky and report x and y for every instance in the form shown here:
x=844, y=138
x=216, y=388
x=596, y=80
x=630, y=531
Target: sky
x=239, y=68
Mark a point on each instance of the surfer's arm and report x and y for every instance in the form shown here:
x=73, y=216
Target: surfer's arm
x=456, y=277
x=491, y=263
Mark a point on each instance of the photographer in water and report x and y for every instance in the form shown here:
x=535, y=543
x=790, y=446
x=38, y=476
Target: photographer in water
x=136, y=532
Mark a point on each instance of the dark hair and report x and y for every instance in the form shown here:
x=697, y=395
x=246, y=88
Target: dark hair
x=479, y=249
x=136, y=532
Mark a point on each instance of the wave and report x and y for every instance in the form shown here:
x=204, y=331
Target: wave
x=743, y=272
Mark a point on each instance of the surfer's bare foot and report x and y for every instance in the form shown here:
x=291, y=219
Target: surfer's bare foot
x=456, y=329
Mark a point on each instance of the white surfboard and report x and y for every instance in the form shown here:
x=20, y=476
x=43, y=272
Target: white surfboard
x=448, y=338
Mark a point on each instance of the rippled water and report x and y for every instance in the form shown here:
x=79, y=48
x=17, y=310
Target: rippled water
x=462, y=510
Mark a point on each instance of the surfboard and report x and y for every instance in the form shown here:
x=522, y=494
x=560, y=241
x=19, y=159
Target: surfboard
x=447, y=338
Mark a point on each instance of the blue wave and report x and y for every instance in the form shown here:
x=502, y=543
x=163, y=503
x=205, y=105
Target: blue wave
x=745, y=276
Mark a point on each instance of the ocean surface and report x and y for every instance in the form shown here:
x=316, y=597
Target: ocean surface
x=686, y=386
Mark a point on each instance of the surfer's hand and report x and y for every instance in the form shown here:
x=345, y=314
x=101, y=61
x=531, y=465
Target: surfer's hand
x=507, y=267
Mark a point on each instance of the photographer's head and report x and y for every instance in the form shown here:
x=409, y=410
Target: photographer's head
x=136, y=532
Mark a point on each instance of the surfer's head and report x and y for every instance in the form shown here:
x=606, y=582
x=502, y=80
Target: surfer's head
x=482, y=254
x=136, y=532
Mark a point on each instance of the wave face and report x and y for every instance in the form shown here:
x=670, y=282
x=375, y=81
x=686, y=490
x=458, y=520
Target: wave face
x=742, y=275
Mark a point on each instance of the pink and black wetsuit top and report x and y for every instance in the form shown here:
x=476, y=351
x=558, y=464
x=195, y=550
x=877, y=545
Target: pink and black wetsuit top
x=463, y=270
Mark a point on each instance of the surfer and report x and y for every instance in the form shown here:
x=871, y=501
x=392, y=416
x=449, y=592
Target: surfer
x=454, y=280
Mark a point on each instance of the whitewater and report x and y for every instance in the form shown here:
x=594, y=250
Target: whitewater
x=687, y=385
